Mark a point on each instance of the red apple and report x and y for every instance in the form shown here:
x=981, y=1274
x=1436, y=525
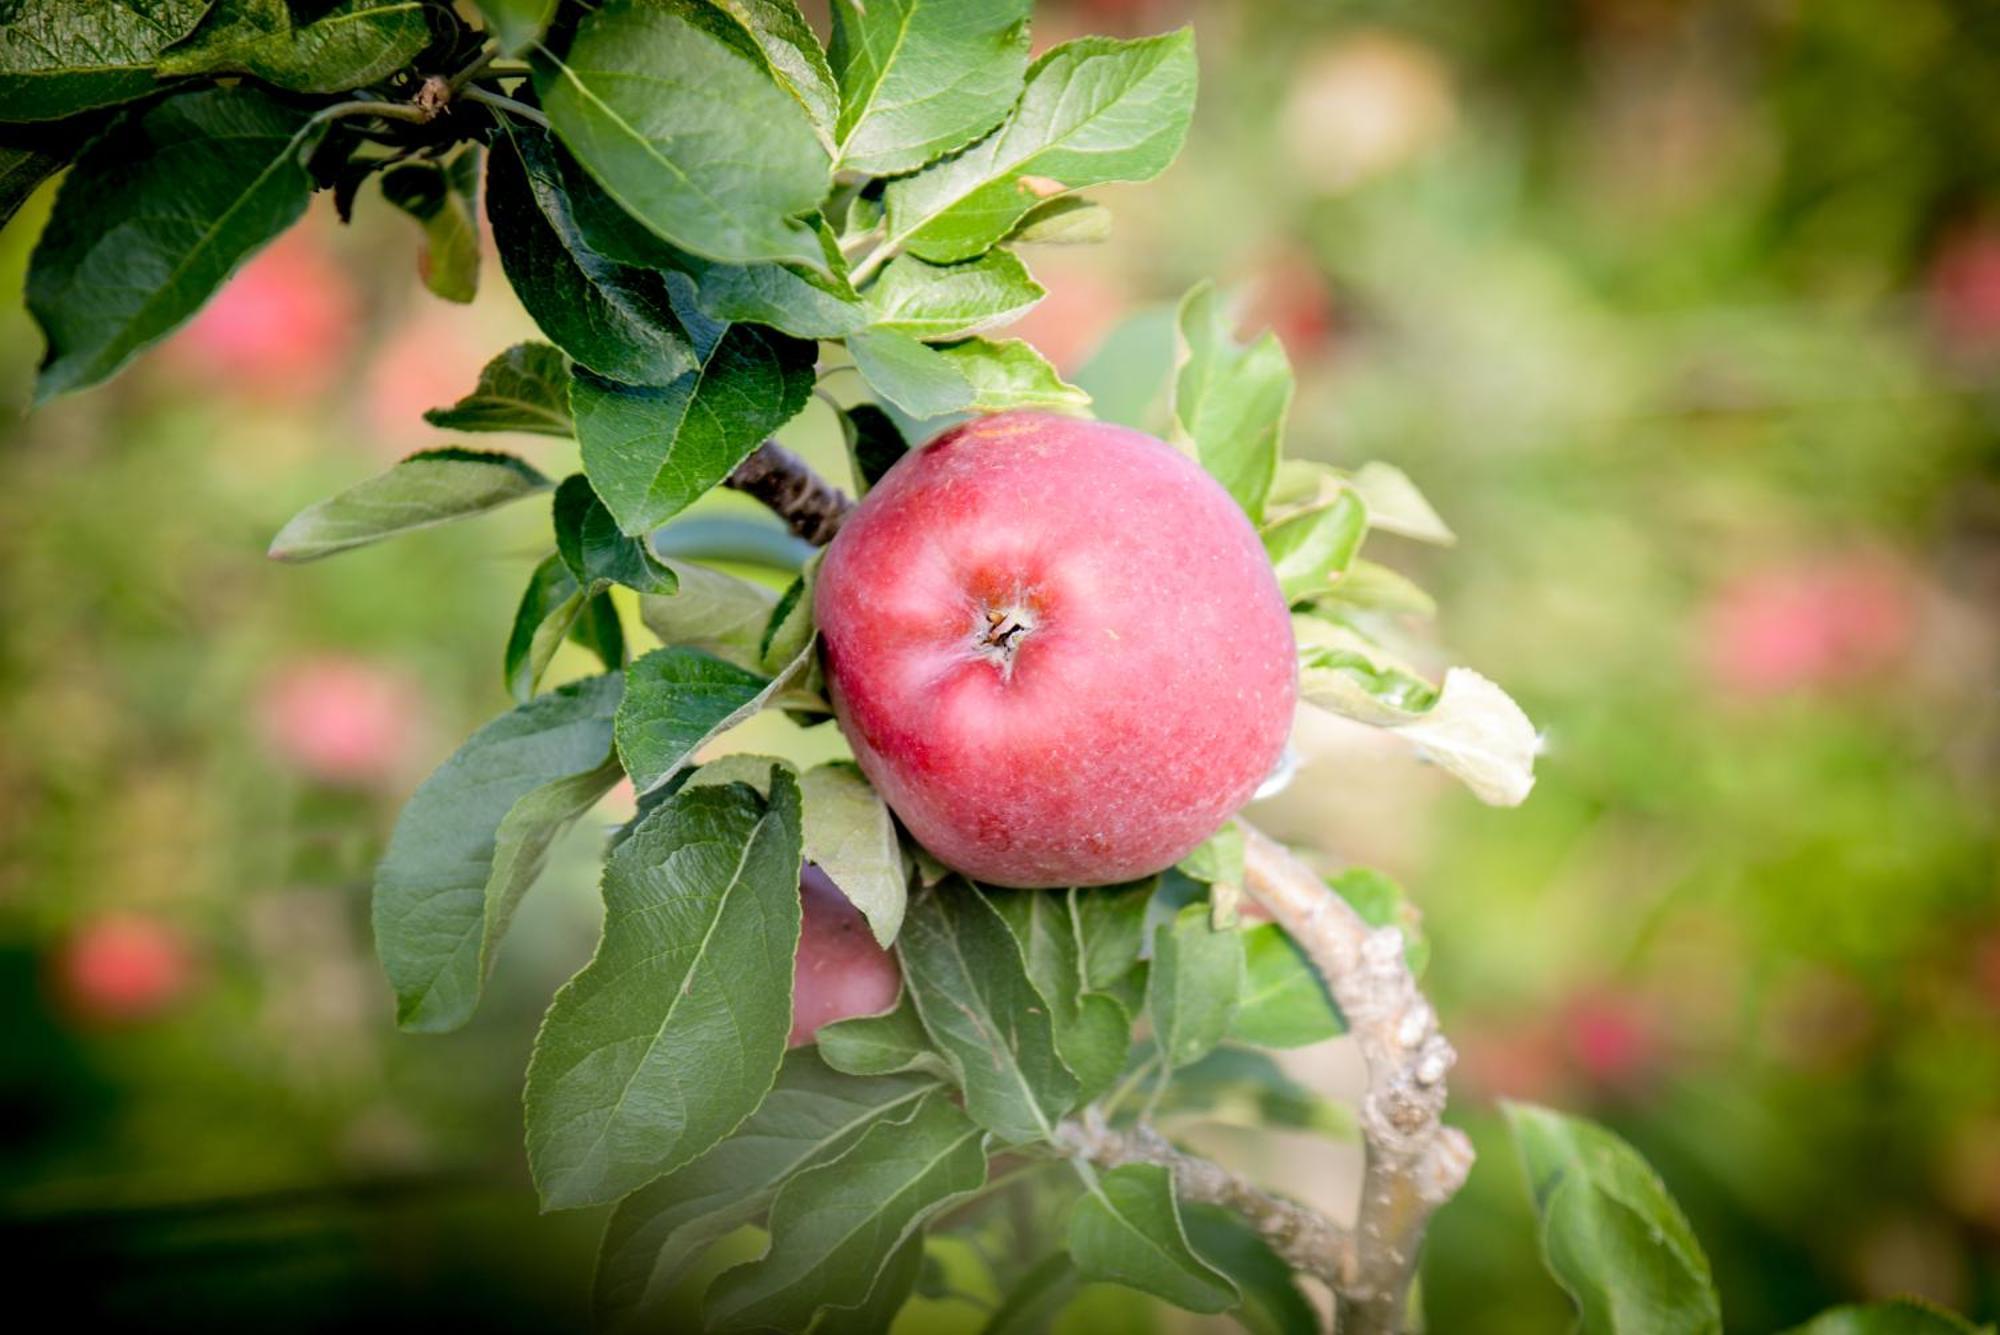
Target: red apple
x=124, y=967
x=840, y=971
x=1057, y=649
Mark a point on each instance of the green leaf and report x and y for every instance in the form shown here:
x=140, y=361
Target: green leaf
x=812, y=1114
x=678, y=698
x=775, y=35
x=1230, y=399
x=1313, y=548
x=31, y=154
x=1217, y=862
x=525, y=388
x=937, y=302
x=1192, y=991
x=852, y=837
x=1111, y=928
x=596, y=552
x=1127, y=377
x=884, y=1044
x=894, y=1284
x=461, y=858
x=835, y=1226
x=1065, y=220
x=688, y=135
x=1470, y=727
x=1396, y=506
x=1272, y=1302
x=155, y=218
x=1374, y=588
x=1901, y=1316
x=966, y=974
x=1094, y=110
x=617, y=320
x=1011, y=374
x=1092, y=1031
x=716, y=613
x=550, y=609
x=791, y=627
x=58, y=57
x=430, y=488
x=652, y=451
x=1127, y=1230
x=1239, y=1086
x=874, y=443
x=1284, y=1003
x=599, y=630
x=516, y=24
x=444, y=199
x=355, y=43
x=1382, y=903
x=694, y=974
x=790, y=298
x=1610, y=1233
x=915, y=377
x=1033, y=1301
x=919, y=78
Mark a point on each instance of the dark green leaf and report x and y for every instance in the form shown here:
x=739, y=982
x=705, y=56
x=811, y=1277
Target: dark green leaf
x=919, y=78
x=550, y=608
x=694, y=974
x=835, y=1226
x=461, y=856
x=893, y=1286
x=444, y=201
x=1611, y=1235
x=516, y=24
x=716, y=613
x=1033, y=1301
x=1095, y=110
x=913, y=376
x=426, y=489
x=355, y=43
x=652, y=451
x=597, y=554
x=1126, y=1229
x=1272, y=1303
x=59, y=57
x=1092, y=1031
x=811, y=1115
x=688, y=135
x=965, y=972
x=1111, y=923
x=154, y=219
x=1230, y=399
x=884, y=1044
x=525, y=388
x=31, y=154
x=1901, y=1316
x=599, y=630
x=676, y=699
x=1192, y=991
x=873, y=443
x=615, y=319
x=1284, y=1003
x=936, y=302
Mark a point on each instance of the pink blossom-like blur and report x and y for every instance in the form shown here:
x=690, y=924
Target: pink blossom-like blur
x=280, y=331
x=124, y=967
x=340, y=721
x=1818, y=622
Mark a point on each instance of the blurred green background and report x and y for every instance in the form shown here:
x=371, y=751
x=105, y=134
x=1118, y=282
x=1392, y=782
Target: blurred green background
x=1685, y=314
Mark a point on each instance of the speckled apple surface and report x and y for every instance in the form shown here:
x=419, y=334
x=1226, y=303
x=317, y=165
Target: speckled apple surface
x=1057, y=649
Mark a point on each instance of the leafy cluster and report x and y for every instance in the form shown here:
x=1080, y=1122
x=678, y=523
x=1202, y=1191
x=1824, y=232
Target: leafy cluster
x=705, y=211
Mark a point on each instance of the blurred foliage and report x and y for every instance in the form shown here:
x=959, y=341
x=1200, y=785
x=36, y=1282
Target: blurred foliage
x=1687, y=317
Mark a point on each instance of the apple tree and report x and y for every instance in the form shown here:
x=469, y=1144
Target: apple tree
x=976, y=982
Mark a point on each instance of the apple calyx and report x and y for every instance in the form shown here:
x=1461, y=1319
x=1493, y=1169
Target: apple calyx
x=998, y=632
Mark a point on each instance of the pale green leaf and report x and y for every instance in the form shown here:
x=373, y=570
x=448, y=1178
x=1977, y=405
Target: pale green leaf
x=1229, y=399
x=445, y=886
x=884, y=1044
x=919, y=78
x=1126, y=1229
x=1396, y=506
x=694, y=974
x=1094, y=110
x=424, y=490
x=1011, y=374
x=444, y=199
x=1065, y=220
x=851, y=836
x=1313, y=548
x=912, y=375
x=1192, y=991
x=714, y=612
x=936, y=302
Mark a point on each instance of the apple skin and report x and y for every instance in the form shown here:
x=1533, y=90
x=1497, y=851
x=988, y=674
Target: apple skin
x=1057, y=649
x=840, y=971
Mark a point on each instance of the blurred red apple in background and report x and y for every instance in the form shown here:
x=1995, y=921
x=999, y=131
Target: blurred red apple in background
x=840, y=972
x=1817, y=622
x=341, y=721
x=1057, y=649
x=280, y=330
x=124, y=967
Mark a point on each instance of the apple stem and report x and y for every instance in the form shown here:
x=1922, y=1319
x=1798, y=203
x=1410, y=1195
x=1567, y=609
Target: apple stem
x=1413, y=1162
x=811, y=506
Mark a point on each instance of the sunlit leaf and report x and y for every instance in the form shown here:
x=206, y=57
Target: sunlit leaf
x=919, y=78
x=1229, y=399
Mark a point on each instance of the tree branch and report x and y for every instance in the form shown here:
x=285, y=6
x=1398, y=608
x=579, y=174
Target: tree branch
x=1306, y=1239
x=811, y=506
x=1413, y=1162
